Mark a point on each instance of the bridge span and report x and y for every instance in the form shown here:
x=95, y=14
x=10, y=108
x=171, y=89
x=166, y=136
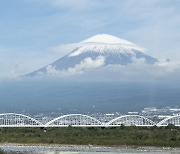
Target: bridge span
x=80, y=120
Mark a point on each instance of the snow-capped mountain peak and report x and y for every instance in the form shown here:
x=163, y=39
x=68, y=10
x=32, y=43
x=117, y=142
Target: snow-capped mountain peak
x=104, y=43
x=97, y=51
x=107, y=39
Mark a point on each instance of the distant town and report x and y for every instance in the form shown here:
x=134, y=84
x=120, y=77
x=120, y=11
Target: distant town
x=153, y=113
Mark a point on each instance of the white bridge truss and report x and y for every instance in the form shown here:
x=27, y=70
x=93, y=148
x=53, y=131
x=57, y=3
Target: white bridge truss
x=131, y=120
x=80, y=120
x=175, y=120
x=75, y=120
x=17, y=120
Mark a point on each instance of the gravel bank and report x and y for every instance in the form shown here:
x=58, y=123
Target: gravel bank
x=70, y=149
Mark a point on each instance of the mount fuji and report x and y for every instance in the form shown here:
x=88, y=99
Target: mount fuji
x=98, y=51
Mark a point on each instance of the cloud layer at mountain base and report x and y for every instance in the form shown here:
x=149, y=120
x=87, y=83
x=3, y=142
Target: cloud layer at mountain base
x=94, y=69
x=86, y=64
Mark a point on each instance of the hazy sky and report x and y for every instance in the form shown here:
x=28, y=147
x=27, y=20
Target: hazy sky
x=30, y=29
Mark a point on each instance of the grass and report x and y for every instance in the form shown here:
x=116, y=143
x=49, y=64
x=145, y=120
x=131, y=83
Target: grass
x=117, y=136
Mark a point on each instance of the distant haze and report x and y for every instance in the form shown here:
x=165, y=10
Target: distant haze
x=55, y=96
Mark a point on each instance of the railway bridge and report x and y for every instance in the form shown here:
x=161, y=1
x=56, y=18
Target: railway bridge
x=80, y=120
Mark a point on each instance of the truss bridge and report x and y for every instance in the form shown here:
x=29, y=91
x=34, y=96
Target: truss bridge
x=80, y=120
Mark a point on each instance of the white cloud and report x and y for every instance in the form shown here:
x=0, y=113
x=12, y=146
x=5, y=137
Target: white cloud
x=87, y=63
x=136, y=71
x=64, y=49
x=139, y=70
x=84, y=65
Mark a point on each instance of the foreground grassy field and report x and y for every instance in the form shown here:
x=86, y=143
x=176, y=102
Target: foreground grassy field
x=119, y=136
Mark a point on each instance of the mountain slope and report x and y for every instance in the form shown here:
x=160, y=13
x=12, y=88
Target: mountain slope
x=113, y=50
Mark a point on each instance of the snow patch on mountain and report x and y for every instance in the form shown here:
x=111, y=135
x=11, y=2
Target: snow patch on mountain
x=102, y=49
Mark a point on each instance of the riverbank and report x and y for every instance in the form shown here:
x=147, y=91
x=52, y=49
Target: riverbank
x=113, y=137
x=82, y=149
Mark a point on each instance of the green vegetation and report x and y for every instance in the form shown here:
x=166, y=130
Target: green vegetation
x=1, y=151
x=117, y=136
